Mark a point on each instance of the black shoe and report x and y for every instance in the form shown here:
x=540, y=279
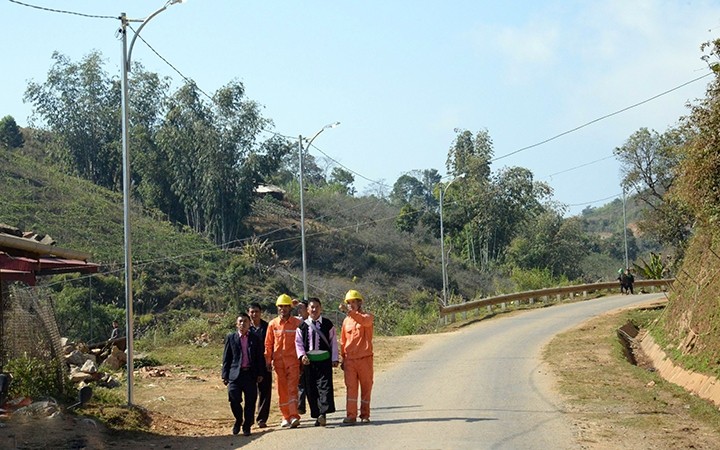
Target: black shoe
x=246, y=431
x=236, y=427
x=301, y=411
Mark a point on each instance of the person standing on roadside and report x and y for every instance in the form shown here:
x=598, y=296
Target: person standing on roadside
x=259, y=327
x=241, y=371
x=316, y=344
x=280, y=354
x=356, y=350
x=623, y=280
x=301, y=309
x=629, y=281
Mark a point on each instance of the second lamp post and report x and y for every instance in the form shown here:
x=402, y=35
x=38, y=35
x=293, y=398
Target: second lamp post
x=442, y=240
x=301, y=156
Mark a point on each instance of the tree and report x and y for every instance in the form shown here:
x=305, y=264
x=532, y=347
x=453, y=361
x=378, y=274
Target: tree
x=408, y=190
x=416, y=188
x=214, y=159
x=343, y=179
x=699, y=184
x=80, y=103
x=408, y=219
x=470, y=154
x=552, y=243
x=650, y=166
x=10, y=135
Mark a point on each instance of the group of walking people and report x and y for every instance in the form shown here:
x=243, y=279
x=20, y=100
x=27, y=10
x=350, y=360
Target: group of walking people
x=291, y=345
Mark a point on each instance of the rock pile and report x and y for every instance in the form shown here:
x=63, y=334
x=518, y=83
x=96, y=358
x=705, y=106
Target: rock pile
x=90, y=365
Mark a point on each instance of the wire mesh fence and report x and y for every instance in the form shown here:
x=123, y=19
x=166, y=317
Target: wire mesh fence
x=28, y=328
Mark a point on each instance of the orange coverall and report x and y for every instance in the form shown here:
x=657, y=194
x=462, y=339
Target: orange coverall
x=280, y=351
x=357, y=355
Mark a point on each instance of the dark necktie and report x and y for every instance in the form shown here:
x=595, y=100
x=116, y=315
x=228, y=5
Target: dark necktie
x=316, y=327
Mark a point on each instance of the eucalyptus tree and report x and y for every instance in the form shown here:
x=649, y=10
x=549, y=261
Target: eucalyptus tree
x=467, y=206
x=215, y=157
x=79, y=103
x=485, y=209
x=184, y=137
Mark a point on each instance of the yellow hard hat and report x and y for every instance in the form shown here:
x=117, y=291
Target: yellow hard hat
x=284, y=299
x=353, y=294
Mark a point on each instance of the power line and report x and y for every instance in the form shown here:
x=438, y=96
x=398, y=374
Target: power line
x=601, y=118
x=349, y=169
x=595, y=201
x=91, y=16
x=187, y=79
x=578, y=167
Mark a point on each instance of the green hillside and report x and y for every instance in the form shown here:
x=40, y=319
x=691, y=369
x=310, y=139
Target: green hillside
x=83, y=216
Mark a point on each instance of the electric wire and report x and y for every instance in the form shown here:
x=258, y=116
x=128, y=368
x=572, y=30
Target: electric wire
x=42, y=8
x=601, y=118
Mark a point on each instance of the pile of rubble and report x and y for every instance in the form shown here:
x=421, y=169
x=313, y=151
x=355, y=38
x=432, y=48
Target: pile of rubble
x=90, y=364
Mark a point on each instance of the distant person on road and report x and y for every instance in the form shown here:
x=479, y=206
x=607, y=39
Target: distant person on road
x=629, y=281
x=356, y=350
x=317, y=349
x=259, y=327
x=241, y=372
x=281, y=355
x=301, y=312
x=623, y=281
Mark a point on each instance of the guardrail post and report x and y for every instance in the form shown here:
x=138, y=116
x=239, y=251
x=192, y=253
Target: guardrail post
x=558, y=297
x=502, y=307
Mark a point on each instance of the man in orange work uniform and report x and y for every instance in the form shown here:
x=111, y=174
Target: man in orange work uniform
x=356, y=351
x=280, y=354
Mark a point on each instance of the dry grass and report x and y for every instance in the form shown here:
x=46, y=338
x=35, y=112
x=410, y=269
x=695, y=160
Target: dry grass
x=617, y=405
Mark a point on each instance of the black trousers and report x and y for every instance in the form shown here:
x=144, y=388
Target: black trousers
x=319, y=385
x=302, y=391
x=245, y=386
x=264, y=389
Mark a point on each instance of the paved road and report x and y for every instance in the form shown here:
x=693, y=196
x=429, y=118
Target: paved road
x=483, y=387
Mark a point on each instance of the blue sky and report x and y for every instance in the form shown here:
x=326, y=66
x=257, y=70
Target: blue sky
x=401, y=75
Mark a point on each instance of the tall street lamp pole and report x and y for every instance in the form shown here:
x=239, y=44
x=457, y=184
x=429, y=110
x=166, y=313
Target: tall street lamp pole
x=125, y=69
x=625, y=231
x=301, y=156
x=442, y=240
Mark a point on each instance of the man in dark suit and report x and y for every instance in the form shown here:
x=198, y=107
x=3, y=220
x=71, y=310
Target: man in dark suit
x=241, y=371
x=258, y=327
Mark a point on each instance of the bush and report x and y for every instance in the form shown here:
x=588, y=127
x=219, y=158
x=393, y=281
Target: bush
x=36, y=378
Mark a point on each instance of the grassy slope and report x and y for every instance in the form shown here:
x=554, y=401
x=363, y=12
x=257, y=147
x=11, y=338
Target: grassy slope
x=690, y=327
x=82, y=216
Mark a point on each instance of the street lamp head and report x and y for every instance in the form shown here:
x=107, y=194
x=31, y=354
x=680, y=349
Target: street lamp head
x=332, y=125
x=172, y=2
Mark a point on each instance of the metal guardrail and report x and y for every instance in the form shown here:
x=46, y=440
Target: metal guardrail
x=547, y=292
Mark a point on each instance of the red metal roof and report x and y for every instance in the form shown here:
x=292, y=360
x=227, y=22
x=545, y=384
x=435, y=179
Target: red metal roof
x=23, y=268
